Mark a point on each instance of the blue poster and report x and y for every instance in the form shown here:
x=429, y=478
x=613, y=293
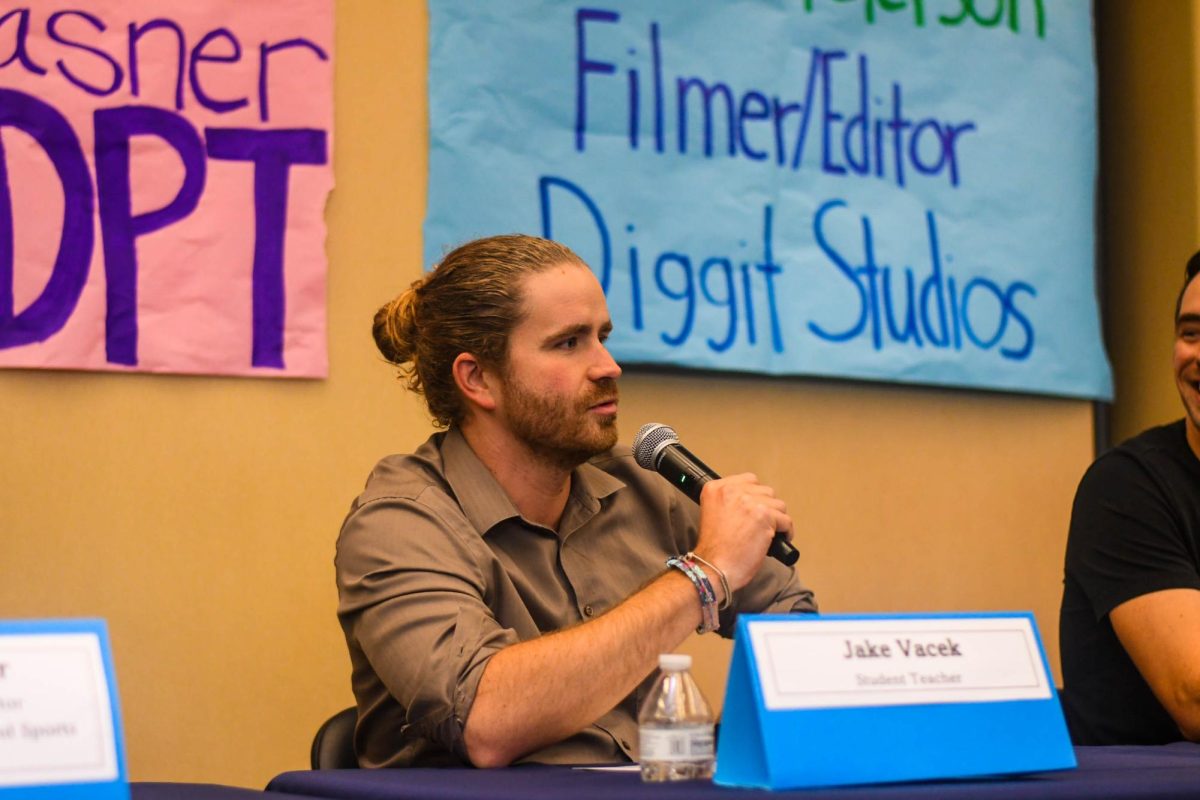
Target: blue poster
x=891, y=190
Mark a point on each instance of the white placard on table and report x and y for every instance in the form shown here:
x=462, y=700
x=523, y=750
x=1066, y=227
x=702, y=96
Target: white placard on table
x=878, y=662
x=59, y=720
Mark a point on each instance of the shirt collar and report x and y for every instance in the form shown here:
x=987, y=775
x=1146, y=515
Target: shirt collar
x=486, y=504
x=589, y=484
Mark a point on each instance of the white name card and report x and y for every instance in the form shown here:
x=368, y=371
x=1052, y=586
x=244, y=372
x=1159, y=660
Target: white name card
x=882, y=662
x=58, y=720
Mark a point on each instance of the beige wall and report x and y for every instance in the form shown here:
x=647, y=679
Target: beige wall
x=1148, y=101
x=198, y=515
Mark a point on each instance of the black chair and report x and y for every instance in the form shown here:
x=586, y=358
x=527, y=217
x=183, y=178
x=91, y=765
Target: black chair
x=333, y=746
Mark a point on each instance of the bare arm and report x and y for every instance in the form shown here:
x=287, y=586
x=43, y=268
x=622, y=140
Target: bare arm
x=541, y=691
x=1161, y=633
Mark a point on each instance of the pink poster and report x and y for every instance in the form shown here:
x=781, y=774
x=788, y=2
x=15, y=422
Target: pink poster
x=164, y=167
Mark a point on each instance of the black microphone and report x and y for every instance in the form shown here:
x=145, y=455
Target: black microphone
x=656, y=447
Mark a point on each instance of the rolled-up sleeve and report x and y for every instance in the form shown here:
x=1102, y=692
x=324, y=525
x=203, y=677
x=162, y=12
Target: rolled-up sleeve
x=413, y=601
x=776, y=589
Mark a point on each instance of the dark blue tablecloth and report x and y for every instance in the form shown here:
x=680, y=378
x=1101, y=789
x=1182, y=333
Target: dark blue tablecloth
x=198, y=791
x=1172, y=771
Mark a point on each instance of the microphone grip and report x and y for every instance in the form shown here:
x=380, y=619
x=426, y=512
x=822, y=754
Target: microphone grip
x=782, y=550
x=689, y=474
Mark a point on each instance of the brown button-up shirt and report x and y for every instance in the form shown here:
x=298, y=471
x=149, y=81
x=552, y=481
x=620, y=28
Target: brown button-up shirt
x=437, y=571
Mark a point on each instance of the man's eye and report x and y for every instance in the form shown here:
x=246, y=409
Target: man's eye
x=1189, y=334
x=570, y=343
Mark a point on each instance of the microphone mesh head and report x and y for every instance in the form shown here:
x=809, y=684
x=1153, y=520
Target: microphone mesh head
x=649, y=440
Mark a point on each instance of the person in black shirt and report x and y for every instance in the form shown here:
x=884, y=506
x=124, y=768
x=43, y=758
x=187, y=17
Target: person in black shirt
x=1130, y=618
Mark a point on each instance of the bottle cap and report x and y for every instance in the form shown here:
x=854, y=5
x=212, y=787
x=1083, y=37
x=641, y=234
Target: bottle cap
x=674, y=662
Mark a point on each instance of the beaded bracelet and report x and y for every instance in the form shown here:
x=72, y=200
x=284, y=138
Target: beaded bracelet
x=709, y=619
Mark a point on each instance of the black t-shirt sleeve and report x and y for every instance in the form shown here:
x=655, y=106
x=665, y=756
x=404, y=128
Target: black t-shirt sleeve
x=1127, y=537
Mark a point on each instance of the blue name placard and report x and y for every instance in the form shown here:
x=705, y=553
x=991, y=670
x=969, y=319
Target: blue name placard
x=60, y=722
x=828, y=700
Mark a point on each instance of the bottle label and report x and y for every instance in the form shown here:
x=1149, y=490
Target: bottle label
x=683, y=743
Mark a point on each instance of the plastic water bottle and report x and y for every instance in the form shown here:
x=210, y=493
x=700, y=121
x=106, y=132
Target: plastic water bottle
x=675, y=726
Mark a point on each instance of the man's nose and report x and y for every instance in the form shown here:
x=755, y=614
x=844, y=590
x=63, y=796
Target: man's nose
x=606, y=366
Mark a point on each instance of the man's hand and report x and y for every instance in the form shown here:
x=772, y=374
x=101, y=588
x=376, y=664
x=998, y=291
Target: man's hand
x=1161, y=633
x=738, y=519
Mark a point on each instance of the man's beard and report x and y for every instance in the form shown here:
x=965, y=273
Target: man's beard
x=562, y=432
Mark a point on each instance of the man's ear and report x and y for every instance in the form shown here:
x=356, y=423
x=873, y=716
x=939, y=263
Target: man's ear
x=477, y=385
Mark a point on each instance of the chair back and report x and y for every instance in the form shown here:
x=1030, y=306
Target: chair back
x=333, y=746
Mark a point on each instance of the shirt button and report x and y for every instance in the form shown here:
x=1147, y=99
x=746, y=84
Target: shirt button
x=587, y=611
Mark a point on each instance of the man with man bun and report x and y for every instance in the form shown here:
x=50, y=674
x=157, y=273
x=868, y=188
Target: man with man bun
x=1130, y=620
x=504, y=589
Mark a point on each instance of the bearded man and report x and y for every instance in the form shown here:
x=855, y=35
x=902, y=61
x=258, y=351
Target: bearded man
x=504, y=590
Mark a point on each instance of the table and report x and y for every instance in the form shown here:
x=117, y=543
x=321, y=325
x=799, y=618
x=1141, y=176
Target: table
x=200, y=791
x=1113, y=773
